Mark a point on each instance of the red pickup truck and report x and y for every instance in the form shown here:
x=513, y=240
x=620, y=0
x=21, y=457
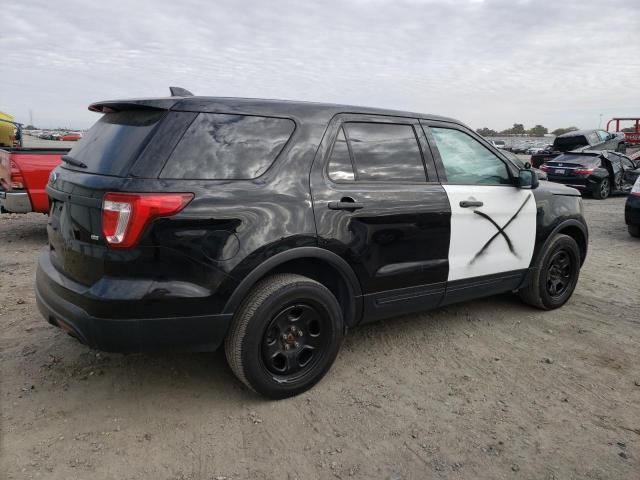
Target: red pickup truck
x=24, y=173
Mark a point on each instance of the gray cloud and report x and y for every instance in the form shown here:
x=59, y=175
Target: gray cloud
x=488, y=63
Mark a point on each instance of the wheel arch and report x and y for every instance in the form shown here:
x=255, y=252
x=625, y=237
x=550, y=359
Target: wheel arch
x=317, y=263
x=574, y=229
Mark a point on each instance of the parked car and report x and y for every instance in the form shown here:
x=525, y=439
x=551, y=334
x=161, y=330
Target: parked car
x=537, y=148
x=24, y=173
x=632, y=209
x=71, y=137
x=596, y=172
x=522, y=165
x=521, y=147
x=275, y=226
x=498, y=144
x=580, y=140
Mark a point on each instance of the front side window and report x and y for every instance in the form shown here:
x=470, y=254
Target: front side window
x=228, y=147
x=385, y=152
x=604, y=136
x=466, y=161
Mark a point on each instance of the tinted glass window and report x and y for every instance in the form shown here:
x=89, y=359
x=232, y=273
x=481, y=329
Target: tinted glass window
x=569, y=143
x=592, y=160
x=593, y=138
x=385, y=152
x=466, y=161
x=114, y=142
x=604, y=136
x=228, y=147
x=340, y=166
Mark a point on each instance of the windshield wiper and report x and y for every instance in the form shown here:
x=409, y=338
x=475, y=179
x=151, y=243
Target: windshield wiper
x=73, y=161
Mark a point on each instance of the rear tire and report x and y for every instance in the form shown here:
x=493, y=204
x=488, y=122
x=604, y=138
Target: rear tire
x=634, y=230
x=285, y=336
x=602, y=190
x=555, y=274
x=622, y=148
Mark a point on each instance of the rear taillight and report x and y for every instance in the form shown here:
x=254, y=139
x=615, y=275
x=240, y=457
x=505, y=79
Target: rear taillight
x=544, y=167
x=125, y=215
x=584, y=171
x=17, y=180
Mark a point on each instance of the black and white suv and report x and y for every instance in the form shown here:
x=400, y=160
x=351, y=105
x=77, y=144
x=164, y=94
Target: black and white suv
x=273, y=227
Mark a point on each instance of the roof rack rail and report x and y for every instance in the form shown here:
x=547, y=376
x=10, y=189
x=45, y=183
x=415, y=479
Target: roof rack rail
x=180, y=92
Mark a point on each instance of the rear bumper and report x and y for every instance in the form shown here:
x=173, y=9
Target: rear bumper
x=197, y=333
x=15, y=201
x=632, y=210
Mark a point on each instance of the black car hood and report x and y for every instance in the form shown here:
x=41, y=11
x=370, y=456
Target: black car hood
x=557, y=189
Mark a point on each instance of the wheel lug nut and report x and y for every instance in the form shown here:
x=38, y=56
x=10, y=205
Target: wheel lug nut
x=296, y=344
x=287, y=346
x=299, y=333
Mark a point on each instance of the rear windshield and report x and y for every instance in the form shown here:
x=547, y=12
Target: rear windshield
x=228, y=147
x=581, y=159
x=114, y=142
x=569, y=143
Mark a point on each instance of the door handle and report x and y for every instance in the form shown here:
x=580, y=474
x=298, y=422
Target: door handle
x=470, y=203
x=345, y=203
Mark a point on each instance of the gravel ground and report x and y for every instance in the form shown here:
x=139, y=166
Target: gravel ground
x=490, y=389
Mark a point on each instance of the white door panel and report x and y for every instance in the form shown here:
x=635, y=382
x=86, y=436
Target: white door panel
x=477, y=246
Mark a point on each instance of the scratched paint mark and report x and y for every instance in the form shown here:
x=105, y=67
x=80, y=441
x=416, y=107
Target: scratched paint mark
x=500, y=231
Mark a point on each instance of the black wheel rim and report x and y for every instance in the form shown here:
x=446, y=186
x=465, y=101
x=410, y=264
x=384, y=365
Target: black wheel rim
x=560, y=273
x=604, y=188
x=295, y=340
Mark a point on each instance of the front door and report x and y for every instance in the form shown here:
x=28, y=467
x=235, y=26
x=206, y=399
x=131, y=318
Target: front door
x=493, y=223
x=378, y=205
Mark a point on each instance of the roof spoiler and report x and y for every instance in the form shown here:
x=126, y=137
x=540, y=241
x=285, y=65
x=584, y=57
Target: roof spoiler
x=180, y=92
x=164, y=103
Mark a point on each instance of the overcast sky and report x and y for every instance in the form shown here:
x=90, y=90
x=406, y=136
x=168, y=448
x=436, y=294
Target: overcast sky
x=488, y=63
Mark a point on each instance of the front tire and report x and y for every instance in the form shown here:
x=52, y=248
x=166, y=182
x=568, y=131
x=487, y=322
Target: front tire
x=285, y=335
x=602, y=190
x=634, y=230
x=555, y=274
x=622, y=148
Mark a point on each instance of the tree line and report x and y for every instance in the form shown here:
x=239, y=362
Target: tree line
x=518, y=129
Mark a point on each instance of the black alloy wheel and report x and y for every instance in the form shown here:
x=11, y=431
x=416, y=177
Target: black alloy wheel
x=295, y=340
x=559, y=273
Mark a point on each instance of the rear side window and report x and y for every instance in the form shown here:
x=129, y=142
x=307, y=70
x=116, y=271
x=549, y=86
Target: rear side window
x=228, y=147
x=114, y=142
x=385, y=152
x=340, y=166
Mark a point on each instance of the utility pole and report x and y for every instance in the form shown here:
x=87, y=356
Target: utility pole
x=31, y=117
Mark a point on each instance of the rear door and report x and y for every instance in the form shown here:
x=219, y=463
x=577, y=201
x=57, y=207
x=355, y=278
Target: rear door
x=493, y=223
x=378, y=204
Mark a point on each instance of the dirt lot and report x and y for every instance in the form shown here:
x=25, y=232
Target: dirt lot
x=489, y=389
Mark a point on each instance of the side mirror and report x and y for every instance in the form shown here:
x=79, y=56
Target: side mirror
x=528, y=179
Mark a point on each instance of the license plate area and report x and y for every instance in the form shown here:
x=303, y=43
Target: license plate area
x=560, y=171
